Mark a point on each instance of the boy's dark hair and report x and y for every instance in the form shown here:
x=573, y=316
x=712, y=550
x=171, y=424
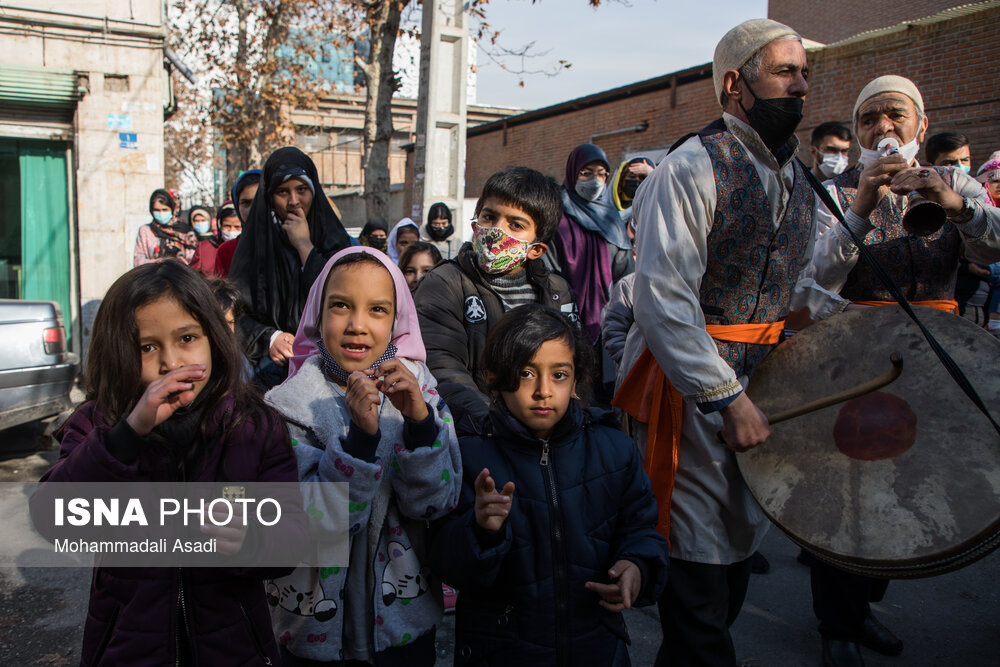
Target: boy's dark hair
x=535, y=193
x=227, y=296
x=944, y=142
x=114, y=365
x=517, y=337
x=838, y=130
x=416, y=248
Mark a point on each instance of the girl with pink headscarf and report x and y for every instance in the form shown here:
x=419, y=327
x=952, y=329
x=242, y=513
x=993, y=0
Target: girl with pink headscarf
x=362, y=408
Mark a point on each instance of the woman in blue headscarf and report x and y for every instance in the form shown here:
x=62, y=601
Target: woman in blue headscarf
x=592, y=248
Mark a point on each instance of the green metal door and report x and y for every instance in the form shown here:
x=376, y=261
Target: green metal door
x=35, y=211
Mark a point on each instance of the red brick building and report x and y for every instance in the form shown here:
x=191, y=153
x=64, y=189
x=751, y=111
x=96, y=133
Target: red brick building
x=952, y=56
x=828, y=22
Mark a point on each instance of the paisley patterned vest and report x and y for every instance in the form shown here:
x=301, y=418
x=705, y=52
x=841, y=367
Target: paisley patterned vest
x=924, y=267
x=752, y=267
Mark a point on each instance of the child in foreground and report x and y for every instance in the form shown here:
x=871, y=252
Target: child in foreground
x=165, y=403
x=362, y=409
x=555, y=532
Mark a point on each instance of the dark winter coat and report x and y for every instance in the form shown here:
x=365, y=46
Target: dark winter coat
x=457, y=308
x=133, y=618
x=581, y=502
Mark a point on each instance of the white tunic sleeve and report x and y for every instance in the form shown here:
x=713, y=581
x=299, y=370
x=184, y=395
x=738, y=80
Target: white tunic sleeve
x=674, y=209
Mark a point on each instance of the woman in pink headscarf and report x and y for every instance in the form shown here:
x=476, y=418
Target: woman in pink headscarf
x=361, y=408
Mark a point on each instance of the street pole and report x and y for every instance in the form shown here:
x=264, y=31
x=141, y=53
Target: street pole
x=439, y=151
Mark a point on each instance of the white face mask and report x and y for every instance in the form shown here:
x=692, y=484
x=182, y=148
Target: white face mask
x=906, y=151
x=833, y=164
x=230, y=234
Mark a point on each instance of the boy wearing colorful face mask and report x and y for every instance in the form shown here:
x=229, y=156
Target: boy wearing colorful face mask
x=460, y=300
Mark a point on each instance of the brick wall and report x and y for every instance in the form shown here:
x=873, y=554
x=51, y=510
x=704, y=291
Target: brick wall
x=953, y=62
x=828, y=22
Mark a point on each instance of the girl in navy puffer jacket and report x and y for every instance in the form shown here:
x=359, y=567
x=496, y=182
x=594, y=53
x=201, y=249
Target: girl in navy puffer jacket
x=555, y=533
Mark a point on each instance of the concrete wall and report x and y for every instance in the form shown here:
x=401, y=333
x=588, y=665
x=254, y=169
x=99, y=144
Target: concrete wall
x=127, y=81
x=951, y=60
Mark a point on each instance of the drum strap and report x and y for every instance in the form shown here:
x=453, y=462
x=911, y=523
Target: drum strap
x=647, y=395
x=883, y=277
x=947, y=305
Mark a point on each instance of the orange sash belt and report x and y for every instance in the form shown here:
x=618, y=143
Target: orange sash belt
x=647, y=395
x=947, y=305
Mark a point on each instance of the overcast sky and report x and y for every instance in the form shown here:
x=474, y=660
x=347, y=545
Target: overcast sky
x=610, y=46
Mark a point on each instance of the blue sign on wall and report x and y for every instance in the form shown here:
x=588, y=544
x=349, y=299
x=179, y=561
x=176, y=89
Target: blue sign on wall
x=127, y=140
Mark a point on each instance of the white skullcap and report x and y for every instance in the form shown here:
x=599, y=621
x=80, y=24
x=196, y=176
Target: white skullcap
x=890, y=83
x=741, y=43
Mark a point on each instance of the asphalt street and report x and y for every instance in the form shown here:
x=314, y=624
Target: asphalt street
x=950, y=620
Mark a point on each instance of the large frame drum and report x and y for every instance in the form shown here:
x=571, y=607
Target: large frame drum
x=902, y=482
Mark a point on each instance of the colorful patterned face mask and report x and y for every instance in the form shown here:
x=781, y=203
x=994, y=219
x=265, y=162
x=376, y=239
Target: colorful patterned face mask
x=497, y=251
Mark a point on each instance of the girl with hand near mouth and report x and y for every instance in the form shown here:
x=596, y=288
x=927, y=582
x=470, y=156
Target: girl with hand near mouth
x=554, y=534
x=362, y=408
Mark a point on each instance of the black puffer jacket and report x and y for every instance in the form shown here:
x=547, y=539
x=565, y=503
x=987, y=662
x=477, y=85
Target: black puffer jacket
x=457, y=308
x=576, y=511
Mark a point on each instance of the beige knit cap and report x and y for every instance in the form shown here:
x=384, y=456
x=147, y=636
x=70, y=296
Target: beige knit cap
x=741, y=43
x=890, y=83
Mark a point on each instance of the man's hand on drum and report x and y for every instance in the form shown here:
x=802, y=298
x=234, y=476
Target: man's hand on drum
x=744, y=426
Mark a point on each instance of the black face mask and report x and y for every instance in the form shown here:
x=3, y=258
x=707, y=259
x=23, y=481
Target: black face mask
x=774, y=119
x=629, y=186
x=440, y=233
x=377, y=242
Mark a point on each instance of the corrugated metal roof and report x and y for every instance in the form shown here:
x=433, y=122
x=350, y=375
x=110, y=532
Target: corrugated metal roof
x=34, y=85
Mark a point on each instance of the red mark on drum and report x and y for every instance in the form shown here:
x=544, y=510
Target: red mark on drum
x=875, y=427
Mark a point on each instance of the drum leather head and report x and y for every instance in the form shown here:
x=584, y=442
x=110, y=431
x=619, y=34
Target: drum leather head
x=902, y=482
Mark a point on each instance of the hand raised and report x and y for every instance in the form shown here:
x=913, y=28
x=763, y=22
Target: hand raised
x=492, y=508
x=162, y=398
x=873, y=182
x=363, y=401
x=929, y=184
x=401, y=388
x=622, y=593
x=296, y=228
x=230, y=537
x=281, y=349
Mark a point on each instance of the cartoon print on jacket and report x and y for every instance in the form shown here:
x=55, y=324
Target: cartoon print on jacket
x=301, y=596
x=403, y=578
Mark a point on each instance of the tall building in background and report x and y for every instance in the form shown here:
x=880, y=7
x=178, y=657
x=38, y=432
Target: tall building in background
x=83, y=93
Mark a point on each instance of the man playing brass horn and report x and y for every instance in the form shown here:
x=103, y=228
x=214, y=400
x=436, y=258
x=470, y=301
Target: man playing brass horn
x=876, y=195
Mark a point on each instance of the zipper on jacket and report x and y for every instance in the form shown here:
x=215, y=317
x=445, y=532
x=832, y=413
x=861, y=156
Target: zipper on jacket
x=256, y=640
x=559, y=558
x=181, y=602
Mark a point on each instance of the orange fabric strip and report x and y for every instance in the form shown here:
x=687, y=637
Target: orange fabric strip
x=768, y=333
x=947, y=305
x=647, y=395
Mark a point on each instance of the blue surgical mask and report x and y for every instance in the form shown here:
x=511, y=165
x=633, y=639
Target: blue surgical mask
x=163, y=217
x=964, y=167
x=202, y=227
